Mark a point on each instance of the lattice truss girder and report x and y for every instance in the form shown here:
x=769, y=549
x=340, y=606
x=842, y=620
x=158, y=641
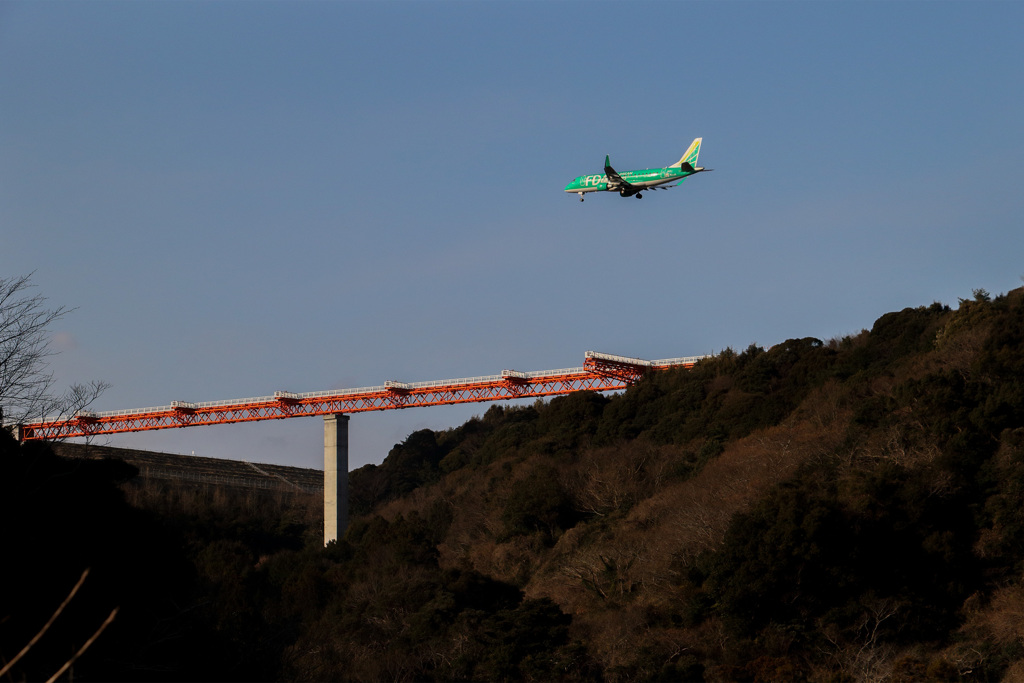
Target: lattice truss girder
x=601, y=372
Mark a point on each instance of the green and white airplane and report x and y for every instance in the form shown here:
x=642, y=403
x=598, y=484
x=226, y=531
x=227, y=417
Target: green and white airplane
x=629, y=183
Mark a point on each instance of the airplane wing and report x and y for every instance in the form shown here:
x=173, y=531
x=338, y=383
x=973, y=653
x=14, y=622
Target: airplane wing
x=614, y=178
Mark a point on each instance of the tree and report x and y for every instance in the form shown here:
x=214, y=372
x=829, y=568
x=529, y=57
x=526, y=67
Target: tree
x=26, y=383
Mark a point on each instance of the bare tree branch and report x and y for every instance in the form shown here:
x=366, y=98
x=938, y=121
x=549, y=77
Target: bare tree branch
x=26, y=382
x=81, y=650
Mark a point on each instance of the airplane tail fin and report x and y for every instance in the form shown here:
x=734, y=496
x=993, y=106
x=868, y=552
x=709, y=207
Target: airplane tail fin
x=690, y=156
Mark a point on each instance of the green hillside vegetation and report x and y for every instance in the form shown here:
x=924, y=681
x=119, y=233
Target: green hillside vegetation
x=840, y=510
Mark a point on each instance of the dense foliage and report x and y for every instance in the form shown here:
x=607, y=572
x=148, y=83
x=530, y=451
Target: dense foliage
x=824, y=511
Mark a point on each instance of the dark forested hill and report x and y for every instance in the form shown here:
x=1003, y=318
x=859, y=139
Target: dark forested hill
x=847, y=509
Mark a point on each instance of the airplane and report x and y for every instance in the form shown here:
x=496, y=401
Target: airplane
x=630, y=183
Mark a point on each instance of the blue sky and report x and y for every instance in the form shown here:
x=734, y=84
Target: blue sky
x=239, y=198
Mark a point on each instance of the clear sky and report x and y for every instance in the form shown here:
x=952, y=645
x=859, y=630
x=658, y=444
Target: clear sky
x=239, y=198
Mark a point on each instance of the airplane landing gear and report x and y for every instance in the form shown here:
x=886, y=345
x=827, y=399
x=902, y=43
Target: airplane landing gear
x=639, y=196
x=581, y=195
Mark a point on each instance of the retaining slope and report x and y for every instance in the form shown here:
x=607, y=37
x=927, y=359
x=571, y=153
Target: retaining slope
x=193, y=468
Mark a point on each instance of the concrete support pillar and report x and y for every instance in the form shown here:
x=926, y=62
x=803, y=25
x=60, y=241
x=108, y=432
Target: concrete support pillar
x=335, y=477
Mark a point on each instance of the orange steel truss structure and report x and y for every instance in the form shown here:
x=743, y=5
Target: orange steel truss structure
x=600, y=372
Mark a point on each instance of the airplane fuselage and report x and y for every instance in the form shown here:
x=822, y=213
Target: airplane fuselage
x=649, y=177
x=632, y=183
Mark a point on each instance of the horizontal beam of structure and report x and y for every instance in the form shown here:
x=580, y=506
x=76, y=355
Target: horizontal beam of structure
x=601, y=372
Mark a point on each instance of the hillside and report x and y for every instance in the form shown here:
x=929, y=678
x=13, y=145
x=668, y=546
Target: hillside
x=846, y=509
